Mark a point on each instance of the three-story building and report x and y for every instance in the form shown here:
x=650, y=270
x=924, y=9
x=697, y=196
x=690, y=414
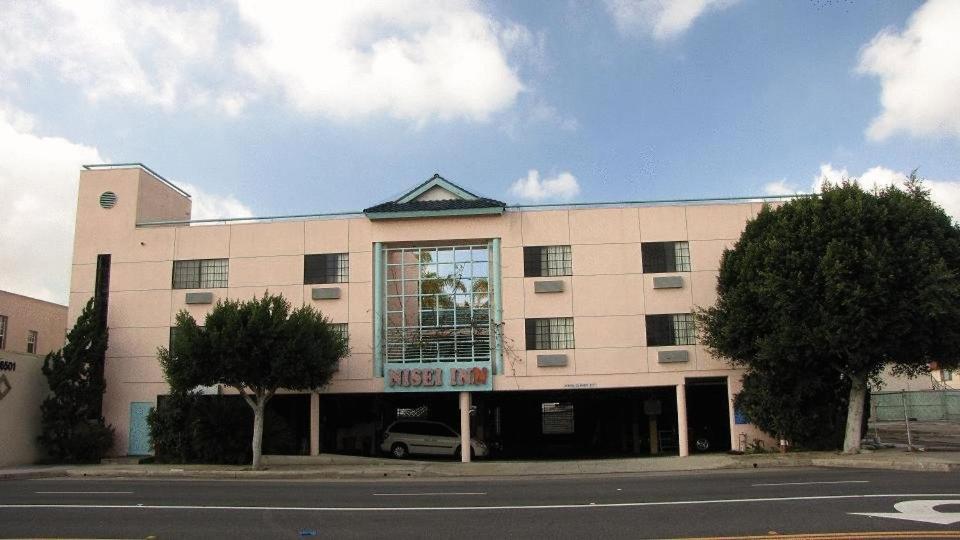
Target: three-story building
x=549, y=330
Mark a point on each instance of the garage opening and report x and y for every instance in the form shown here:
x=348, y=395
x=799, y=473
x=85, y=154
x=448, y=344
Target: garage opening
x=708, y=414
x=354, y=423
x=554, y=424
x=578, y=423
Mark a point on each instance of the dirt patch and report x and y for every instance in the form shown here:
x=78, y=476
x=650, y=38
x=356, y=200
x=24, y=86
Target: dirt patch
x=930, y=434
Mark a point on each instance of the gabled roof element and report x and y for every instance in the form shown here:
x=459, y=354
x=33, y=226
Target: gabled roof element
x=437, y=197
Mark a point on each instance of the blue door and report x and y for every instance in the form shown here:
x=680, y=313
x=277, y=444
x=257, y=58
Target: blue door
x=139, y=431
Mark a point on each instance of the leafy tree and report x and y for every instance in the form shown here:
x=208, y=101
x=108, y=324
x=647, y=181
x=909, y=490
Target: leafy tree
x=834, y=288
x=256, y=347
x=73, y=430
x=811, y=414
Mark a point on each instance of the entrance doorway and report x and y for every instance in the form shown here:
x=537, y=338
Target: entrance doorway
x=139, y=440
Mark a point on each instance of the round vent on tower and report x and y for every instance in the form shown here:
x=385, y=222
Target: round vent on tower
x=108, y=199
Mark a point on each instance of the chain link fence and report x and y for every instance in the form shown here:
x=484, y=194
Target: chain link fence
x=925, y=419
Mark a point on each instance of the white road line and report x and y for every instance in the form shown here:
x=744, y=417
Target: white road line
x=429, y=494
x=83, y=492
x=461, y=508
x=812, y=483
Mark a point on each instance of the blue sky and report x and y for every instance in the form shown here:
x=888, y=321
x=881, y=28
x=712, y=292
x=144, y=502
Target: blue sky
x=266, y=108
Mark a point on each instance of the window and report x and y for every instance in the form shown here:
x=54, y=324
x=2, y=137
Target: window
x=437, y=304
x=3, y=331
x=200, y=274
x=675, y=329
x=557, y=418
x=326, y=268
x=545, y=261
x=32, y=342
x=661, y=257
x=550, y=334
x=341, y=328
x=946, y=375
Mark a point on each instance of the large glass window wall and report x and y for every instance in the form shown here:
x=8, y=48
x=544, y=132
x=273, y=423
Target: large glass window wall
x=437, y=305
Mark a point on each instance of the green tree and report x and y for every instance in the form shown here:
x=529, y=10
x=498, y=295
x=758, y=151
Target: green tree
x=256, y=347
x=73, y=430
x=811, y=414
x=834, y=288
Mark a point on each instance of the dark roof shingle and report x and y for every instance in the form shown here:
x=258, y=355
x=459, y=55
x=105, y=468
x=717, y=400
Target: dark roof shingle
x=434, y=206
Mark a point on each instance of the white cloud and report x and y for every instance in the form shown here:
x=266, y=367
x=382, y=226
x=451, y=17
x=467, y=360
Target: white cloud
x=780, y=187
x=919, y=71
x=38, y=180
x=212, y=206
x=563, y=187
x=661, y=19
x=410, y=60
x=946, y=193
x=110, y=48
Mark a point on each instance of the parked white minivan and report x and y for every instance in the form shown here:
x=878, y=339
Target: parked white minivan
x=406, y=437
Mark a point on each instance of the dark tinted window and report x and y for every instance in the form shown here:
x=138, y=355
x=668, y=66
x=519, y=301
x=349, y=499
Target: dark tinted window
x=545, y=261
x=326, y=268
x=549, y=334
x=672, y=329
x=659, y=330
x=661, y=257
x=200, y=273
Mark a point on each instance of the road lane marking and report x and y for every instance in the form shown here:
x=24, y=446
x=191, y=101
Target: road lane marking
x=83, y=492
x=813, y=483
x=429, y=494
x=464, y=508
x=920, y=511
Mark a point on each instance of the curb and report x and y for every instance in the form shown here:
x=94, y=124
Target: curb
x=425, y=470
x=32, y=475
x=887, y=465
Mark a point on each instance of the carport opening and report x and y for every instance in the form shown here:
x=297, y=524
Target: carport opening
x=354, y=423
x=578, y=423
x=708, y=414
x=555, y=424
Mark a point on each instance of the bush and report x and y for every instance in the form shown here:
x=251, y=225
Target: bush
x=72, y=428
x=77, y=441
x=168, y=421
x=189, y=428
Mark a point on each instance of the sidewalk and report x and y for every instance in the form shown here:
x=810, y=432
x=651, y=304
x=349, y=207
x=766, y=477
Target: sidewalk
x=348, y=467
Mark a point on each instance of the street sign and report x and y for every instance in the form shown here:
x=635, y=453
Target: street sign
x=919, y=511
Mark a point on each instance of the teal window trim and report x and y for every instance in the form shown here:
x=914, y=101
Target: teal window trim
x=378, y=298
x=497, y=288
x=437, y=304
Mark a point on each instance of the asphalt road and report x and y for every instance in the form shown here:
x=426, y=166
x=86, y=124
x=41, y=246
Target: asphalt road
x=652, y=505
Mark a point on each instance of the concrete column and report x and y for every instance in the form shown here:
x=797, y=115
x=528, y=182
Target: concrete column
x=734, y=436
x=314, y=424
x=465, y=427
x=682, y=420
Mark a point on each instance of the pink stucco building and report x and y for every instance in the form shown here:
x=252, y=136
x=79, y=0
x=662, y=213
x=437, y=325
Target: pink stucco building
x=550, y=330
x=29, y=329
